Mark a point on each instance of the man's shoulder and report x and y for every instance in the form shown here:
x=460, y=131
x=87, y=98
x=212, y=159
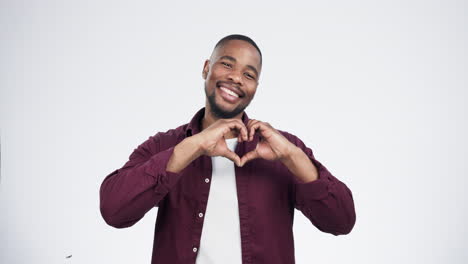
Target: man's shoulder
x=172, y=134
x=293, y=138
x=165, y=139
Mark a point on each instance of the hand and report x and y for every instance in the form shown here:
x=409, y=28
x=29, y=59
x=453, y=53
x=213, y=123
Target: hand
x=272, y=145
x=212, y=142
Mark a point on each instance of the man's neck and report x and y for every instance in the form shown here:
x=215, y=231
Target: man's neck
x=209, y=118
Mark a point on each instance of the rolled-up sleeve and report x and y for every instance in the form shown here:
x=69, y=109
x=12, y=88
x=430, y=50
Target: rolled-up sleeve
x=327, y=202
x=128, y=193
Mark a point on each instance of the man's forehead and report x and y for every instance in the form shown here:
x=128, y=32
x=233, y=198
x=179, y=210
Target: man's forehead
x=235, y=49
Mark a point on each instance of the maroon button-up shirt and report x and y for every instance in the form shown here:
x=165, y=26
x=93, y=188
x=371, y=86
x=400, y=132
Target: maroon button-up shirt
x=267, y=194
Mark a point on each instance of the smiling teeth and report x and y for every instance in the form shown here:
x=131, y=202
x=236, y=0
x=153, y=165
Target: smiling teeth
x=230, y=92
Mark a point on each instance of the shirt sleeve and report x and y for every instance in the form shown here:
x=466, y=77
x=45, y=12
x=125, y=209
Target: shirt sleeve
x=128, y=193
x=326, y=202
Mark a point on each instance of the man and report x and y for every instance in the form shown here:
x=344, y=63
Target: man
x=226, y=185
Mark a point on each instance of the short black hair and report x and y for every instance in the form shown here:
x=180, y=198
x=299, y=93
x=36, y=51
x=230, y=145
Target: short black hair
x=239, y=37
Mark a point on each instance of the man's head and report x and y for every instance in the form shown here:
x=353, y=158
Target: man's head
x=231, y=75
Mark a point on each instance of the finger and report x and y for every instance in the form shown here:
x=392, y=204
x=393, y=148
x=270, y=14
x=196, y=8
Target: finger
x=249, y=125
x=250, y=122
x=244, y=133
x=249, y=128
x=239, y=137
x=248, y=157
x=261, y=127
x=253, y=127
x=233, y=157
x=237, y=124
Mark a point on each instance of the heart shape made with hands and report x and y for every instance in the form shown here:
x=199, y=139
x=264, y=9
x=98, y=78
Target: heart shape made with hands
x=272, y=145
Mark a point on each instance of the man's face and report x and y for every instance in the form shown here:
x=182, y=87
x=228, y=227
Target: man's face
x=231, y=78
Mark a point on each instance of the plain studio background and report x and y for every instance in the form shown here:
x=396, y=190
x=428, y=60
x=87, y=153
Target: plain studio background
x=376, y=88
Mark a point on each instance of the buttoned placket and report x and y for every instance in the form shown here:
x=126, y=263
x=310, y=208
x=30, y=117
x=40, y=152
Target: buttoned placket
x=242, y=180
x=204, y=163
x=205, y=166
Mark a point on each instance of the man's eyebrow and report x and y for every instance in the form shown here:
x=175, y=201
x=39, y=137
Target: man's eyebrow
x=227, y=57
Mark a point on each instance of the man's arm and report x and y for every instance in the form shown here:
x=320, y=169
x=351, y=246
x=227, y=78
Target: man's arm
x=322, y=198
x=184, y=153
x=325, y=201
x=300, y=165
x=128, y=193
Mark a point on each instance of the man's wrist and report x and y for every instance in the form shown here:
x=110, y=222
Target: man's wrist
x=291, y=155
x=184, y=153
x=194, y=143
x=300, y=165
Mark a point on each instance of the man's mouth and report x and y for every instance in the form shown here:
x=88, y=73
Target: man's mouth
x=229, y=93
x=230, y=89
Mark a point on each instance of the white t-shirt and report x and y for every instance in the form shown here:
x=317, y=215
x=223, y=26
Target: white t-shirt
x=220, y=240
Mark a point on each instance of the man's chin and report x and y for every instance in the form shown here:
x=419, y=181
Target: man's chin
x=226, y=109
x=223, y=109
x=226, y=112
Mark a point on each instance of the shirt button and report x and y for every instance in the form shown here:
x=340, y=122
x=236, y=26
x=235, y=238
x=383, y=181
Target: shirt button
x=207, y=180
x=195, y=249
x=200, y=215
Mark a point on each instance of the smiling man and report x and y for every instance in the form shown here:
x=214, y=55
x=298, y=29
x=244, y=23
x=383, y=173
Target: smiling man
x=226, y=185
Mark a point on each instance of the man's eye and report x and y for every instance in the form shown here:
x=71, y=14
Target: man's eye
x=250, y=76
x=226, y=64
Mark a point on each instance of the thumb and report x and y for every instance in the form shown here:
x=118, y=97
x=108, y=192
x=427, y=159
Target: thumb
x=248, y=157
x=232, y=156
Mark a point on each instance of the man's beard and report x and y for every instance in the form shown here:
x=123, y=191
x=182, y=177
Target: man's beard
x=220, y=113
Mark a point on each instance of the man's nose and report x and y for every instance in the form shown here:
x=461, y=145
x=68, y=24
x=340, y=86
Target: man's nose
x=235, y=76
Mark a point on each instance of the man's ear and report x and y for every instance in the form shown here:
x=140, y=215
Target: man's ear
x=206, y=69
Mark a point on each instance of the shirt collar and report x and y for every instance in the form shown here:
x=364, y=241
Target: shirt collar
x=195, y=124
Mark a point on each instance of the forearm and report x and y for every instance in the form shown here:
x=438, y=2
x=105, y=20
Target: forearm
x=328, y=204
x=322, y=198
x=128, y=193
x=184, y=153
x=300, y=166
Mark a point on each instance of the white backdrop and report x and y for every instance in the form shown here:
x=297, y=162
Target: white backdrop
x=376, y=88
